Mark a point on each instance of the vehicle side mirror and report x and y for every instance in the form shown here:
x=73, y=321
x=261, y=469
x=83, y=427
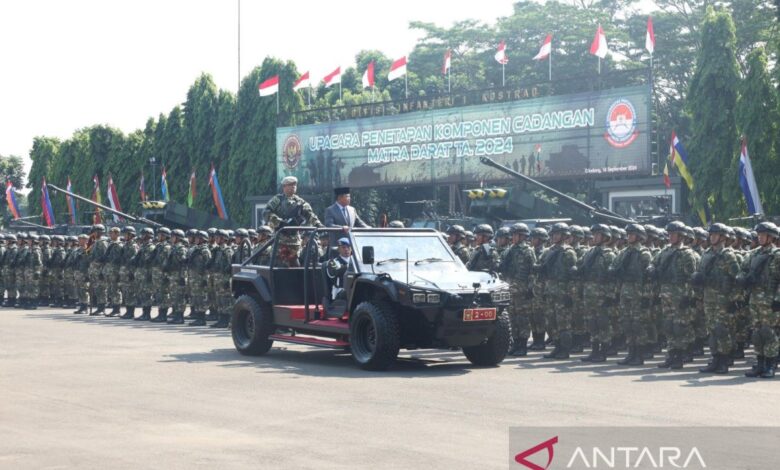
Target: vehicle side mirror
x=367, y=254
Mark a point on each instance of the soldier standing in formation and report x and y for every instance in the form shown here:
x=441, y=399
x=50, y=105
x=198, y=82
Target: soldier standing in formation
x=484, y=257
x=456, y=235
x=516, y=266
x=556, y=266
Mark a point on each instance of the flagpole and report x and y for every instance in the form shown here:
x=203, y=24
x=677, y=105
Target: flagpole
x=339, y=88
x=449, y=78
x=599, y=65
x=503, y=80
x=309, y=95
x=406, y=86
x=549, y=66
x=277, y=102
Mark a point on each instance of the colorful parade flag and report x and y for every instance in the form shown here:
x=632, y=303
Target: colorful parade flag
x=216, y=193
x=191, y=194
x=97, y=218
x=164, y=186
x=71, y=203
x=679, y=158
x=142, y=188
x=650, y=37
x=667, y=180
x=501, y=56
x=447, y=62
x=545, y=50
x=368, y=75
x=333, y=78
x=113, y=199
x=747, y=181
x=48, y=213
x=397, y=69
x=10, y=198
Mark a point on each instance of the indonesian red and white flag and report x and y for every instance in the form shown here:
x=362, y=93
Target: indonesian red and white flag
x=368, y=75
x=302, y=82
x=546, y=49
x=599, y=45
x=501, y=56
x=650, y=36
x=269, y=87
x=398, y=69
x=113, y=198
x=333, y=78
x=447, y=62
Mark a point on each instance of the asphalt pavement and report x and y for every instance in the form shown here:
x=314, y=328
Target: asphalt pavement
x=95, y=392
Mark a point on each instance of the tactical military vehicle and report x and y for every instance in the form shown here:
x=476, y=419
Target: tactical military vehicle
x=404, y=289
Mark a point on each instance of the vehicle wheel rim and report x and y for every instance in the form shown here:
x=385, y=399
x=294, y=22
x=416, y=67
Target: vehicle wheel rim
x=245, y=329
x=363, y=342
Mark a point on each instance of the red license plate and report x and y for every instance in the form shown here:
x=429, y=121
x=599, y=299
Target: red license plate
x=479, y=314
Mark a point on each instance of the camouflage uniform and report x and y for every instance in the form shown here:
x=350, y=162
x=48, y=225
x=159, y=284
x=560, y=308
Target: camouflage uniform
x=282, y=210
x=70, y=290
x=160, y=280
x=597, y=298
x=516, y=267
x=97, y=281
x=20, y=265
x=47, y=281
x=33, y=273
x=673, y=269
x=761, y=273
x=144, y=283
x=221, y=271
x=199, y=263
x=555, y=269
x=81, y=265
x=112, y=262
x=127, y=272
x=2, y=263
x=630, y=266
x=177, y=273
x=578, y=327
x=538, y=305
x=461, y=251
x=9, y=272
x=484, y=258
x=742, y=317
x=56, y=275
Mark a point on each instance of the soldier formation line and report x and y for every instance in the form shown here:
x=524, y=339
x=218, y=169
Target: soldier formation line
x=642, y=289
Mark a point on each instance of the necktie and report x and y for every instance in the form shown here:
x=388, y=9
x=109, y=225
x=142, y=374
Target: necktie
x=346, y=215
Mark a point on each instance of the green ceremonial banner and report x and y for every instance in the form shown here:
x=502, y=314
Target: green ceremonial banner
x=595, y=134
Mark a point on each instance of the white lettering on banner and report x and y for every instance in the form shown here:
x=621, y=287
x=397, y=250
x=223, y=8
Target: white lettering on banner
x=666, y=457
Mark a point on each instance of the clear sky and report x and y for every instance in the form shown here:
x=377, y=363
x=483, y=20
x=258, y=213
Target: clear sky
x=68, y=64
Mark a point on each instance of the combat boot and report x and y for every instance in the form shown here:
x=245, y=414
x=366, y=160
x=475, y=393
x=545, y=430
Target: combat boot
x=538, y=342
x=712, y=366
x=115, y=310
x=638, y=359
x=769, y=368
x=101, y=309
x=611, y=349
x=594, y=349
x=146, y=314
x=648, y=351
x=597, y=355
x=199, y=319
x=758, y=367
x=552, y=354
x=162, y=315
x=32, y=305
x=576, y=345
x=177, y=318
x=212, y=315
x=223, y=322
x=129, y=314
x=738, y=352
x=677, y=360
x=521, y=347
x=20, y=303
x=630, y=357
x=82, y=309
x=697, y=349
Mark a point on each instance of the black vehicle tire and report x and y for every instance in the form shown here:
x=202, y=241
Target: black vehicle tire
x=251, y=325
x=494, y=349
x=374, y=336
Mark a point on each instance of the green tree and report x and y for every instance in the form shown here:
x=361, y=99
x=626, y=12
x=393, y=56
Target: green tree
x=711, y=102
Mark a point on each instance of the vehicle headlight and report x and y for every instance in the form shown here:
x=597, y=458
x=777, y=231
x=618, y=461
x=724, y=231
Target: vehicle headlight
x=500, y=296
x=418, y=298
x=433, y=298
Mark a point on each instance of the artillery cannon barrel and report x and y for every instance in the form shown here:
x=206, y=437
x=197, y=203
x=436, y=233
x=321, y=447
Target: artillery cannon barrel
x=142, y=220
x=613, y=218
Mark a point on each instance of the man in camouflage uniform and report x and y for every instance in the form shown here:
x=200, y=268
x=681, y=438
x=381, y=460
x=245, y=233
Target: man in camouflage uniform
x=81, y=265
x=593, y=269
x=212, y=291
x=20, y=265
x=112, y=262
x=556, y=267
x=742, y=317
x=57, y=272
x=9, y=271
x=516, y=266
x=715, y=275
x=471, y=240
x=33, y=272
x=629, y=268
x=503, y=240
x=97, y=281
x=177, y=274
x=455, y=238
x=221, y=269
x=162, y=293
x=289, y=209
x=47, y=278
x=127, y=270
x=144, y=266
x=198, y=276
x=618, y=335
x=539, y=237
x=672, y=269
x=242, y=249
x=2, y=256
x=485, y=256
x=578, y=328
x=69, y=272
x=761, y=274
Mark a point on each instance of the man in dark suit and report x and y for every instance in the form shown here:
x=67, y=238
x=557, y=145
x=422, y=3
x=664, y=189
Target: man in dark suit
x=341, y=214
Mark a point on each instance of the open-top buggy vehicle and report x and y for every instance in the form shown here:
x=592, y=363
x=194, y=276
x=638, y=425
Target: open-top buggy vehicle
x=404, y=288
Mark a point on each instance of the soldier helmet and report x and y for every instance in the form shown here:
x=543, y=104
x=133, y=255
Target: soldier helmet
x=503, y=232
x=73, y=238
x=483, y=229
x=203, y=234
x=222, y=233
x=623, y=234
x=147, y=231
x=560, y=227
x=192, y=232
x=586, y=233
x=289, y=180
x=165, y=231
x=675, y=226
x=700, y=233
x=602, y=229
x=212, y=231
x=540, y=233
x=114, y=230
x=83, y=236
x=178, y=233
x=265, y=229
x=45, y=238
x=615, y=231
x=11, y=237
x=58, y=238
x=768, y=227
x=457, y=230
x=242, y=232
x=34, y=237
x=252, y=233
x=470, y=235
x=519, y=228
x=730, y=233
x=753, y=235
x=637, y=229
x=576, y=231
x=128, y=229
x=98, y=228
x=396, y=224
x=718, y=228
